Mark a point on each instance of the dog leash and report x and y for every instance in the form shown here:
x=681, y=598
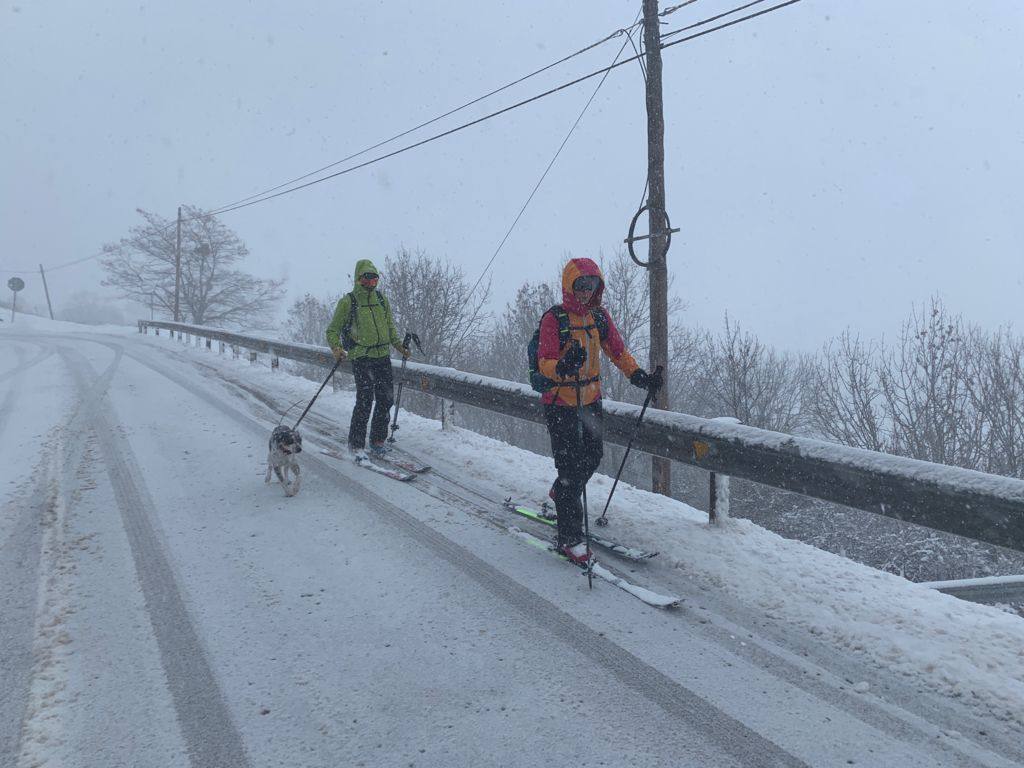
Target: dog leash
x=336, y=364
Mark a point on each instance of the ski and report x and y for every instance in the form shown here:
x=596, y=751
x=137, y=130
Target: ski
x=403, y=460
x=630, y=553
x=364, y=461
x=605, y=574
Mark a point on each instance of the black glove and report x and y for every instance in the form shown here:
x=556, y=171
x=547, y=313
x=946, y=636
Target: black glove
x=571, y=361
x=645, y=380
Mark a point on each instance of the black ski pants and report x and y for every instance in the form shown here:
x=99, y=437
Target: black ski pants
x=575, y=461
x=375, y=388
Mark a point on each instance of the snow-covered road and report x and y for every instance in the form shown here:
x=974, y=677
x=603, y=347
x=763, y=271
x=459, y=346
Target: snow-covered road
x=163, y=607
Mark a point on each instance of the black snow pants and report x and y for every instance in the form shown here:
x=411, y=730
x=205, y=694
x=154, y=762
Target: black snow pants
x=375, y=388
x=575, y=462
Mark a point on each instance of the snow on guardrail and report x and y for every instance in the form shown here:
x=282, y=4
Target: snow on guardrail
x=980, y=506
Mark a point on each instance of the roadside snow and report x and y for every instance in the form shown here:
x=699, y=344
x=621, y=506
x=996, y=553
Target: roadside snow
x=958, y=648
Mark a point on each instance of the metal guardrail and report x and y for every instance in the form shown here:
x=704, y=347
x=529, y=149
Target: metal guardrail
x=984, y=507
x=990, y=590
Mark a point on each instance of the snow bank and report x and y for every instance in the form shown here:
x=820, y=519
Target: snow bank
x=958, y=648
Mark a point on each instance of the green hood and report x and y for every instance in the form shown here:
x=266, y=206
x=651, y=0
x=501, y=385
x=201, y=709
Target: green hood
x=363, y=265
x=372, y=328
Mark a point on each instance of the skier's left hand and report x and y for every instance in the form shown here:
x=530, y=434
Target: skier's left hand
x=644, y=380
x=404, y=352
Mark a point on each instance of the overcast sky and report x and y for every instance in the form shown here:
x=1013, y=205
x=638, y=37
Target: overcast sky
x=829, y=164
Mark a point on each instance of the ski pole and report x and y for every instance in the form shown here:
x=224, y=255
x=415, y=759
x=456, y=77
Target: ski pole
x=409, y=337
x=333, y=369
x=586, y=516
x=602, y=520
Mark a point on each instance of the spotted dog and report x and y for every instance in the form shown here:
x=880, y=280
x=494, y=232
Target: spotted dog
x=285, y=445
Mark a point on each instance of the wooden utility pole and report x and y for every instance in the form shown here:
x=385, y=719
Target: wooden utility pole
x=661, y=469
x=49, y=306
x=177, y=269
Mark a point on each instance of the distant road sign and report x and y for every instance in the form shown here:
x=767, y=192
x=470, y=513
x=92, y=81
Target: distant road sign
x=15, y=283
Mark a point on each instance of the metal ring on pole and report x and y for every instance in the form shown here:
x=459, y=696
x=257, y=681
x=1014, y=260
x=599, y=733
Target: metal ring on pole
x=632, y=229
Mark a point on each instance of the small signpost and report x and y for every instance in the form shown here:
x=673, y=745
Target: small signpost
x=15, y=284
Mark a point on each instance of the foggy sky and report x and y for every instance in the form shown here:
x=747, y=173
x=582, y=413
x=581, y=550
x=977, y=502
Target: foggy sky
x=829, y=165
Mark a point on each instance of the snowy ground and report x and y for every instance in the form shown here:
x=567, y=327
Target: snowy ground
x=163, y=606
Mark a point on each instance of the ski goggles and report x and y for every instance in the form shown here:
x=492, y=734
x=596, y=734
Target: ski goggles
x=369, y=276
x=586, y=283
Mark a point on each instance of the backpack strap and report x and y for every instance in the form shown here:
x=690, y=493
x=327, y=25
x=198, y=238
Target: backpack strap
x=564, y=331
x=600, y=321
x=352, y=305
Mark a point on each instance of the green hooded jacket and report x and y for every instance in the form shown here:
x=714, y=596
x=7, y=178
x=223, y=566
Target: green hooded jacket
x=373, y=328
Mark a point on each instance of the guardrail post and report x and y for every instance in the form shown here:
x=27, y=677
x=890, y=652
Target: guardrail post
x=234, y=351
x=220, y=347
x=718, y=486
x=274, y=361
x=447, y=414
x=209, y=343
x=157, y=331
x=252, y=357
x=718, y=492
x=179, y=336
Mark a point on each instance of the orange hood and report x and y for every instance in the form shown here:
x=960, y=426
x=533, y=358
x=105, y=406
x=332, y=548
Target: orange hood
x=577, y=268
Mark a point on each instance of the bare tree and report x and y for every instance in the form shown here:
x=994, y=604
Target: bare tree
x=927, y=397
x=308, y=319
x=142, y=266
x=845, y=402
x=754, y=383
x=510, y=334
x=432, y=298
x=627, y=297
x=996, y=386
x=307, y=323
x=688, y=386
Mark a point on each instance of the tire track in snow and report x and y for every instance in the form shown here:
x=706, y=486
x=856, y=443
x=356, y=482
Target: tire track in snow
x=24, y=590
x=905, y=719
x=725, y=732
x=19, y=579
x=44, y=353
x=9, y=399
x=209, y=733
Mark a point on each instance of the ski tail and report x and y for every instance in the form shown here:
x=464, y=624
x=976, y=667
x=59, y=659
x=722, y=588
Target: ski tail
x=605, y=574
x=630, y=553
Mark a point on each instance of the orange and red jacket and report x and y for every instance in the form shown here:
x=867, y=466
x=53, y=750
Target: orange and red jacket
x=582, y=328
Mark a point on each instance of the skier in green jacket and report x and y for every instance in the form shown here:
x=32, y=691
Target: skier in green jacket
x=363, y=330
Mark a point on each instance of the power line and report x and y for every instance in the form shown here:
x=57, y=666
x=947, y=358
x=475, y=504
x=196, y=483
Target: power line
x=675, y=8
x=616, y=33
x=513, y=107
x=509, y=108
x=544, y=175
x=52, y=269
x=263, y=197
x=711, y=19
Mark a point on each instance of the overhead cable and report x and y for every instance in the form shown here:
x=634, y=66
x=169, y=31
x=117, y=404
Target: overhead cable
x=504, y=110
x=544, y=175
x=54, y=268
x=616, y=33
x=710, y=19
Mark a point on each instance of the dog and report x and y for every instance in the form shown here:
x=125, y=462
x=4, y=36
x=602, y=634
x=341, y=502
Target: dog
x=285, y=445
